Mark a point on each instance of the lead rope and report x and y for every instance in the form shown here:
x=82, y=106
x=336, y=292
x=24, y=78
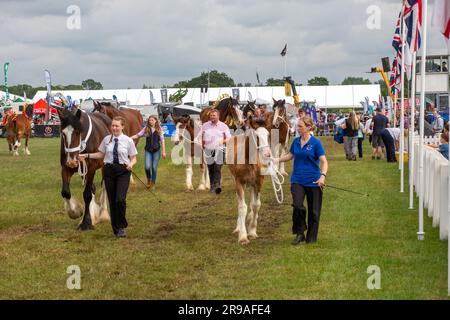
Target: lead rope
x=275, y=175
x=82, y=170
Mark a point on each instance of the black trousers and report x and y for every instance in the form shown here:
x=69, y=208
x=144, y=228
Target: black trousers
x=314, y=202
x=360, y=147
x=389, y=143
x=215, y=159
x=117, y=181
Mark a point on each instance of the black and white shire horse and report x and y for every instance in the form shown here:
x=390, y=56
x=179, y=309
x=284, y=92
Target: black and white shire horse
x=82, y=132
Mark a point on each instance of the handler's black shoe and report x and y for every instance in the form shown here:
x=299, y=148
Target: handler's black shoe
x=300, y=238
x=121, y=233
x=218, y=190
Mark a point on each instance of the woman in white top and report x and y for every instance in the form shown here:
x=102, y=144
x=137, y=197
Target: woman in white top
x=119, y=156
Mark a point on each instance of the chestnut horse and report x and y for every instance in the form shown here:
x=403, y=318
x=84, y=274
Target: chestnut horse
x=278, y=119
x=82, y=132
x=185, y=130
x=247, y=155
x=17, y=127
x=133, y=118
x=229, y=113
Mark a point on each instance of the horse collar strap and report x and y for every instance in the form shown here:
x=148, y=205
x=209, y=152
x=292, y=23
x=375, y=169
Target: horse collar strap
x=83, y=143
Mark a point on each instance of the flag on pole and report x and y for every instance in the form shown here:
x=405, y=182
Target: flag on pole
x=284, y=52
x=395, y=79
x=413, y=24
x=257, y=77
x=397, y=43
x=152, y=99
x=48, y=81
x=6, y=67
x=441, y=18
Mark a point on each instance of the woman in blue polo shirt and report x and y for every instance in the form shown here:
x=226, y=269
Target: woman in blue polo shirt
x=308, y=179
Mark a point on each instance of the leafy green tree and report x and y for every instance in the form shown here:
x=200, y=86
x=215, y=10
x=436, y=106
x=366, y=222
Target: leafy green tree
x=216, y=79
x=318, y=81
x=271, y=82
x=355, y=81
x=91, y=84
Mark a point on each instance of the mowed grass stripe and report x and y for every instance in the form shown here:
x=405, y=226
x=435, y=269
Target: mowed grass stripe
x=183, y=248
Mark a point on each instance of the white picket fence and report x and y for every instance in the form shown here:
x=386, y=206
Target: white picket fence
x=435, y=187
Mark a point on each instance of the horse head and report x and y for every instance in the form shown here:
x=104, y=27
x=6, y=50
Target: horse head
x=71, y=131
x=249, y=108
x=234, y=112
x=182, y=124
x=280, y=114
x=99, y=107
x=29, y=110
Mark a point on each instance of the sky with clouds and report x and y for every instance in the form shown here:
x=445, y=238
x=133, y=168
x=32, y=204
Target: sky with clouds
x=128, y=43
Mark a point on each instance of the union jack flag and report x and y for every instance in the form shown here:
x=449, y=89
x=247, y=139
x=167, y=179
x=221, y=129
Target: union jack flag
x=413, y=24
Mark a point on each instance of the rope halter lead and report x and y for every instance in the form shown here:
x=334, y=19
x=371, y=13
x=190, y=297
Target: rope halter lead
x=82, y=165
x=275, y=175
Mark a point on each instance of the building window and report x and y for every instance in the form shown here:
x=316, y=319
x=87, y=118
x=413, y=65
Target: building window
x=443, y=102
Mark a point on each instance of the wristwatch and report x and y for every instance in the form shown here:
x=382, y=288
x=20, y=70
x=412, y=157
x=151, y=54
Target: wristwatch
x=323, y=174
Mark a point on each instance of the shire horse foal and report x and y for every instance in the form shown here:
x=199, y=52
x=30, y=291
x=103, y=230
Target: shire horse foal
x=247, y=155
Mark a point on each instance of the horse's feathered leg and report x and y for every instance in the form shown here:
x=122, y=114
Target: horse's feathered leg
x=71, y=205
x=91, y=210
x=242, y=213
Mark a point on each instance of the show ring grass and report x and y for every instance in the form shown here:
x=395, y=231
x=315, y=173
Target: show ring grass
x=183, y=248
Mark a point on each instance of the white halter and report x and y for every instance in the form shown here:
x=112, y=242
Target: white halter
x=83, y=143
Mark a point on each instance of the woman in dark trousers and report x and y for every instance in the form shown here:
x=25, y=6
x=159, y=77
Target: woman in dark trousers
x=119, y=155
x=308, y=179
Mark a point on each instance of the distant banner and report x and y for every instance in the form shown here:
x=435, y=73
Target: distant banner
x=152, y=99
x=6, y=67
x=235, y=93
x=46, y=131
x=164, y=95
x=48, y=81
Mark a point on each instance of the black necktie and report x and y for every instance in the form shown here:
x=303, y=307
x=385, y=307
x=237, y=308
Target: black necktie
x=115, y=151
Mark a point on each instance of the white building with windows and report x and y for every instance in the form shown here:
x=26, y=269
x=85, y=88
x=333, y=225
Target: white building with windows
x=437, y=81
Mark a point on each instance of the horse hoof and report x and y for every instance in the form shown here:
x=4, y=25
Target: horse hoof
x=244, y=241
x=252, y=236
x=201, y=187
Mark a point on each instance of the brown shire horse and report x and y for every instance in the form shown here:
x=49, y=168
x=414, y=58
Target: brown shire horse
x=247, y=155
x=17, y=127
x=278, y=120
x=229, y=113
x=133, y=118
x=82, y=132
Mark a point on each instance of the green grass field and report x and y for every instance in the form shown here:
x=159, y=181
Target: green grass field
x=184, y=247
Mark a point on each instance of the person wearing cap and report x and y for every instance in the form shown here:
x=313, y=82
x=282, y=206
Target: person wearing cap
x=379, y=123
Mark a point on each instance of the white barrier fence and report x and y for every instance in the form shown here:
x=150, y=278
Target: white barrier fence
x=435, y=187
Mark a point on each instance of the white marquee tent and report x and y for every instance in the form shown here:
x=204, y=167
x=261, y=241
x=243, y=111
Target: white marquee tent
x=324, y=96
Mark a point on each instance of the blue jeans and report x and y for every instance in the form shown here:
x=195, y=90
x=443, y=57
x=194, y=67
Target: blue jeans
x=151, y=164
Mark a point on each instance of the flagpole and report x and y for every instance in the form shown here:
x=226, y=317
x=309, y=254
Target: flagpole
x=411, y=133
x=402, y=107
x=421, y=234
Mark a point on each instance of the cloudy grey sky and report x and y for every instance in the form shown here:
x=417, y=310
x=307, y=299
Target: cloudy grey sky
x=128, y=43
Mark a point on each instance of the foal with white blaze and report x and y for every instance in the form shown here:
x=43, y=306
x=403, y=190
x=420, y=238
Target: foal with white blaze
x=253, y=148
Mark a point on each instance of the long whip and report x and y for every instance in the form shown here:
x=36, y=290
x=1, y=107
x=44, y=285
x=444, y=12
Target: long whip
x=349, y=191
x=135, y=175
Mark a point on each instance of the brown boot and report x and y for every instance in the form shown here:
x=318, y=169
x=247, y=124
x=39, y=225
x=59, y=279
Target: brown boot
x=151, y=185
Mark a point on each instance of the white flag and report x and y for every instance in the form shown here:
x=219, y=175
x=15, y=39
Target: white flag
x=441, y=18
